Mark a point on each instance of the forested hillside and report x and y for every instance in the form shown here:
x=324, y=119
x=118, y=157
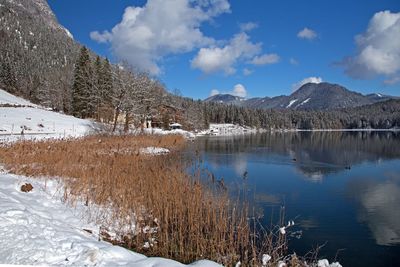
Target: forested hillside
x=383, y=115
x=37, y=54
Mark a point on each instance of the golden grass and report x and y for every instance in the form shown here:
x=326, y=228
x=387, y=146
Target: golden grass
x=177, y=215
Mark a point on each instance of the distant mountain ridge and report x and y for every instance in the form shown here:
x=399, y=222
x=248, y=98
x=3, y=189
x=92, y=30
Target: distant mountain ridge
x=225, y=98
x=311, y=96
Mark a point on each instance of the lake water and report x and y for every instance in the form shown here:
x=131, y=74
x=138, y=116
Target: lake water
x=342, y=189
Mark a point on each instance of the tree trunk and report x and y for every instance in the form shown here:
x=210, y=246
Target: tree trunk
x=127, y=121
x=116, y=119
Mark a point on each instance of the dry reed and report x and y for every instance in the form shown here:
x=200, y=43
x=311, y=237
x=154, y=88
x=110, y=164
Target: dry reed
x=169, y=212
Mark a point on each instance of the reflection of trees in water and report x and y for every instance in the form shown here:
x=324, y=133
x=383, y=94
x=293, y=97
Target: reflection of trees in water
x=379, y=204
x=313, y=153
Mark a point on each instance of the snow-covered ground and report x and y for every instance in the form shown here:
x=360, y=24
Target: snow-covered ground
x=20, y=118
x=159, y=131
x=226, y=129
x=37, y=228
x=7, y=98
x=151, y=150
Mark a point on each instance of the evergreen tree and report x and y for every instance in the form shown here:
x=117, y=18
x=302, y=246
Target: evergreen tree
x=83, y=86
x=96, y=96
x=106, y=84
x=7, y=78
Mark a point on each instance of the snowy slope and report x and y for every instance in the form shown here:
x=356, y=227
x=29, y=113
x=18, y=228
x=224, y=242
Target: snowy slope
x=7, y=98
x=35, y=121
x=37, y=228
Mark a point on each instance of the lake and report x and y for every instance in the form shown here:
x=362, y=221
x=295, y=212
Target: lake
x=342, y=189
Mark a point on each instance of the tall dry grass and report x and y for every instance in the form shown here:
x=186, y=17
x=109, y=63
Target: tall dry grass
x=162, y=210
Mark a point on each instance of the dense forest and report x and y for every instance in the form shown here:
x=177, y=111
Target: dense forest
x=384, y=115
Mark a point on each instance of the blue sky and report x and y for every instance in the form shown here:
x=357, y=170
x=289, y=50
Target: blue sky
x=248, y=48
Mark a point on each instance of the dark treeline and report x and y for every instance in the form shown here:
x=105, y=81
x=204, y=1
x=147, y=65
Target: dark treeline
x=384, y=115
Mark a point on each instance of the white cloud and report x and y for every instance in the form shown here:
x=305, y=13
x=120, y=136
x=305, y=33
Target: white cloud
x=161, y=28
x=378, y=48
x=299, y=84
x=379, y=209
x=293, y=61
x=265, y=59
x=101, y=37
x=247, y=72
x=215, y=59
x=307, y=33
x=238, y=90
x=246, y=27
x=214, y=92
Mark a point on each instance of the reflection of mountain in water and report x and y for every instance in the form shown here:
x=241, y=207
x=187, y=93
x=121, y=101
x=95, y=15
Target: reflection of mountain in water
x=379, y=208
x=313, y=153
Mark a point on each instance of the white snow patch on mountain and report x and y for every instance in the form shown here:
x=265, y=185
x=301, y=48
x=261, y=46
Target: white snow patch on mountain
x=291, y=103
x=69, y=34
x=305, y=101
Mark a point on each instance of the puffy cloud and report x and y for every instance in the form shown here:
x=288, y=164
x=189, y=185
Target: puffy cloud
x=265, y=59
x=307, y=33
x=299, y=84
x=379, y=208
x=246, y=27
x=293, y=61
x=160, y=28
x=214, y=92
x=378, y=49
x=238, y=90
x=101, y=37
x=215, y=59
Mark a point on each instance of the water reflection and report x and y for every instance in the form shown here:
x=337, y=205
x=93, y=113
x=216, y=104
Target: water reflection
x=379, y=203
x=341, y=188
x=315, y=154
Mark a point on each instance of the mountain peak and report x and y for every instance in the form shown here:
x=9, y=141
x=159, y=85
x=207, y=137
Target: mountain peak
x=224, y=98
x=39, y=9
x=310, y=96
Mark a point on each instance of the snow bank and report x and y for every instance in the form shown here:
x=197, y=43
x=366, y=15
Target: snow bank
x=226, y=129
x=7, y=98
x=159, y=131
x=151, y=150
x=37, y=228
x=325, y=263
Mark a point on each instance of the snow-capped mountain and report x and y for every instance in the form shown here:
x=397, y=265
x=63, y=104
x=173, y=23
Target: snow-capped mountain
x=225, y=99
x=311, y=96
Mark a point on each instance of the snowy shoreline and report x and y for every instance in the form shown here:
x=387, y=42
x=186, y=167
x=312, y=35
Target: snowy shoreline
x=38, y=228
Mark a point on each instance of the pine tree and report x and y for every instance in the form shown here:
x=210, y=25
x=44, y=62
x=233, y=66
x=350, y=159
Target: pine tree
x=7, y=78
x=83, y=86
x=106, y=83
x=96, y=96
